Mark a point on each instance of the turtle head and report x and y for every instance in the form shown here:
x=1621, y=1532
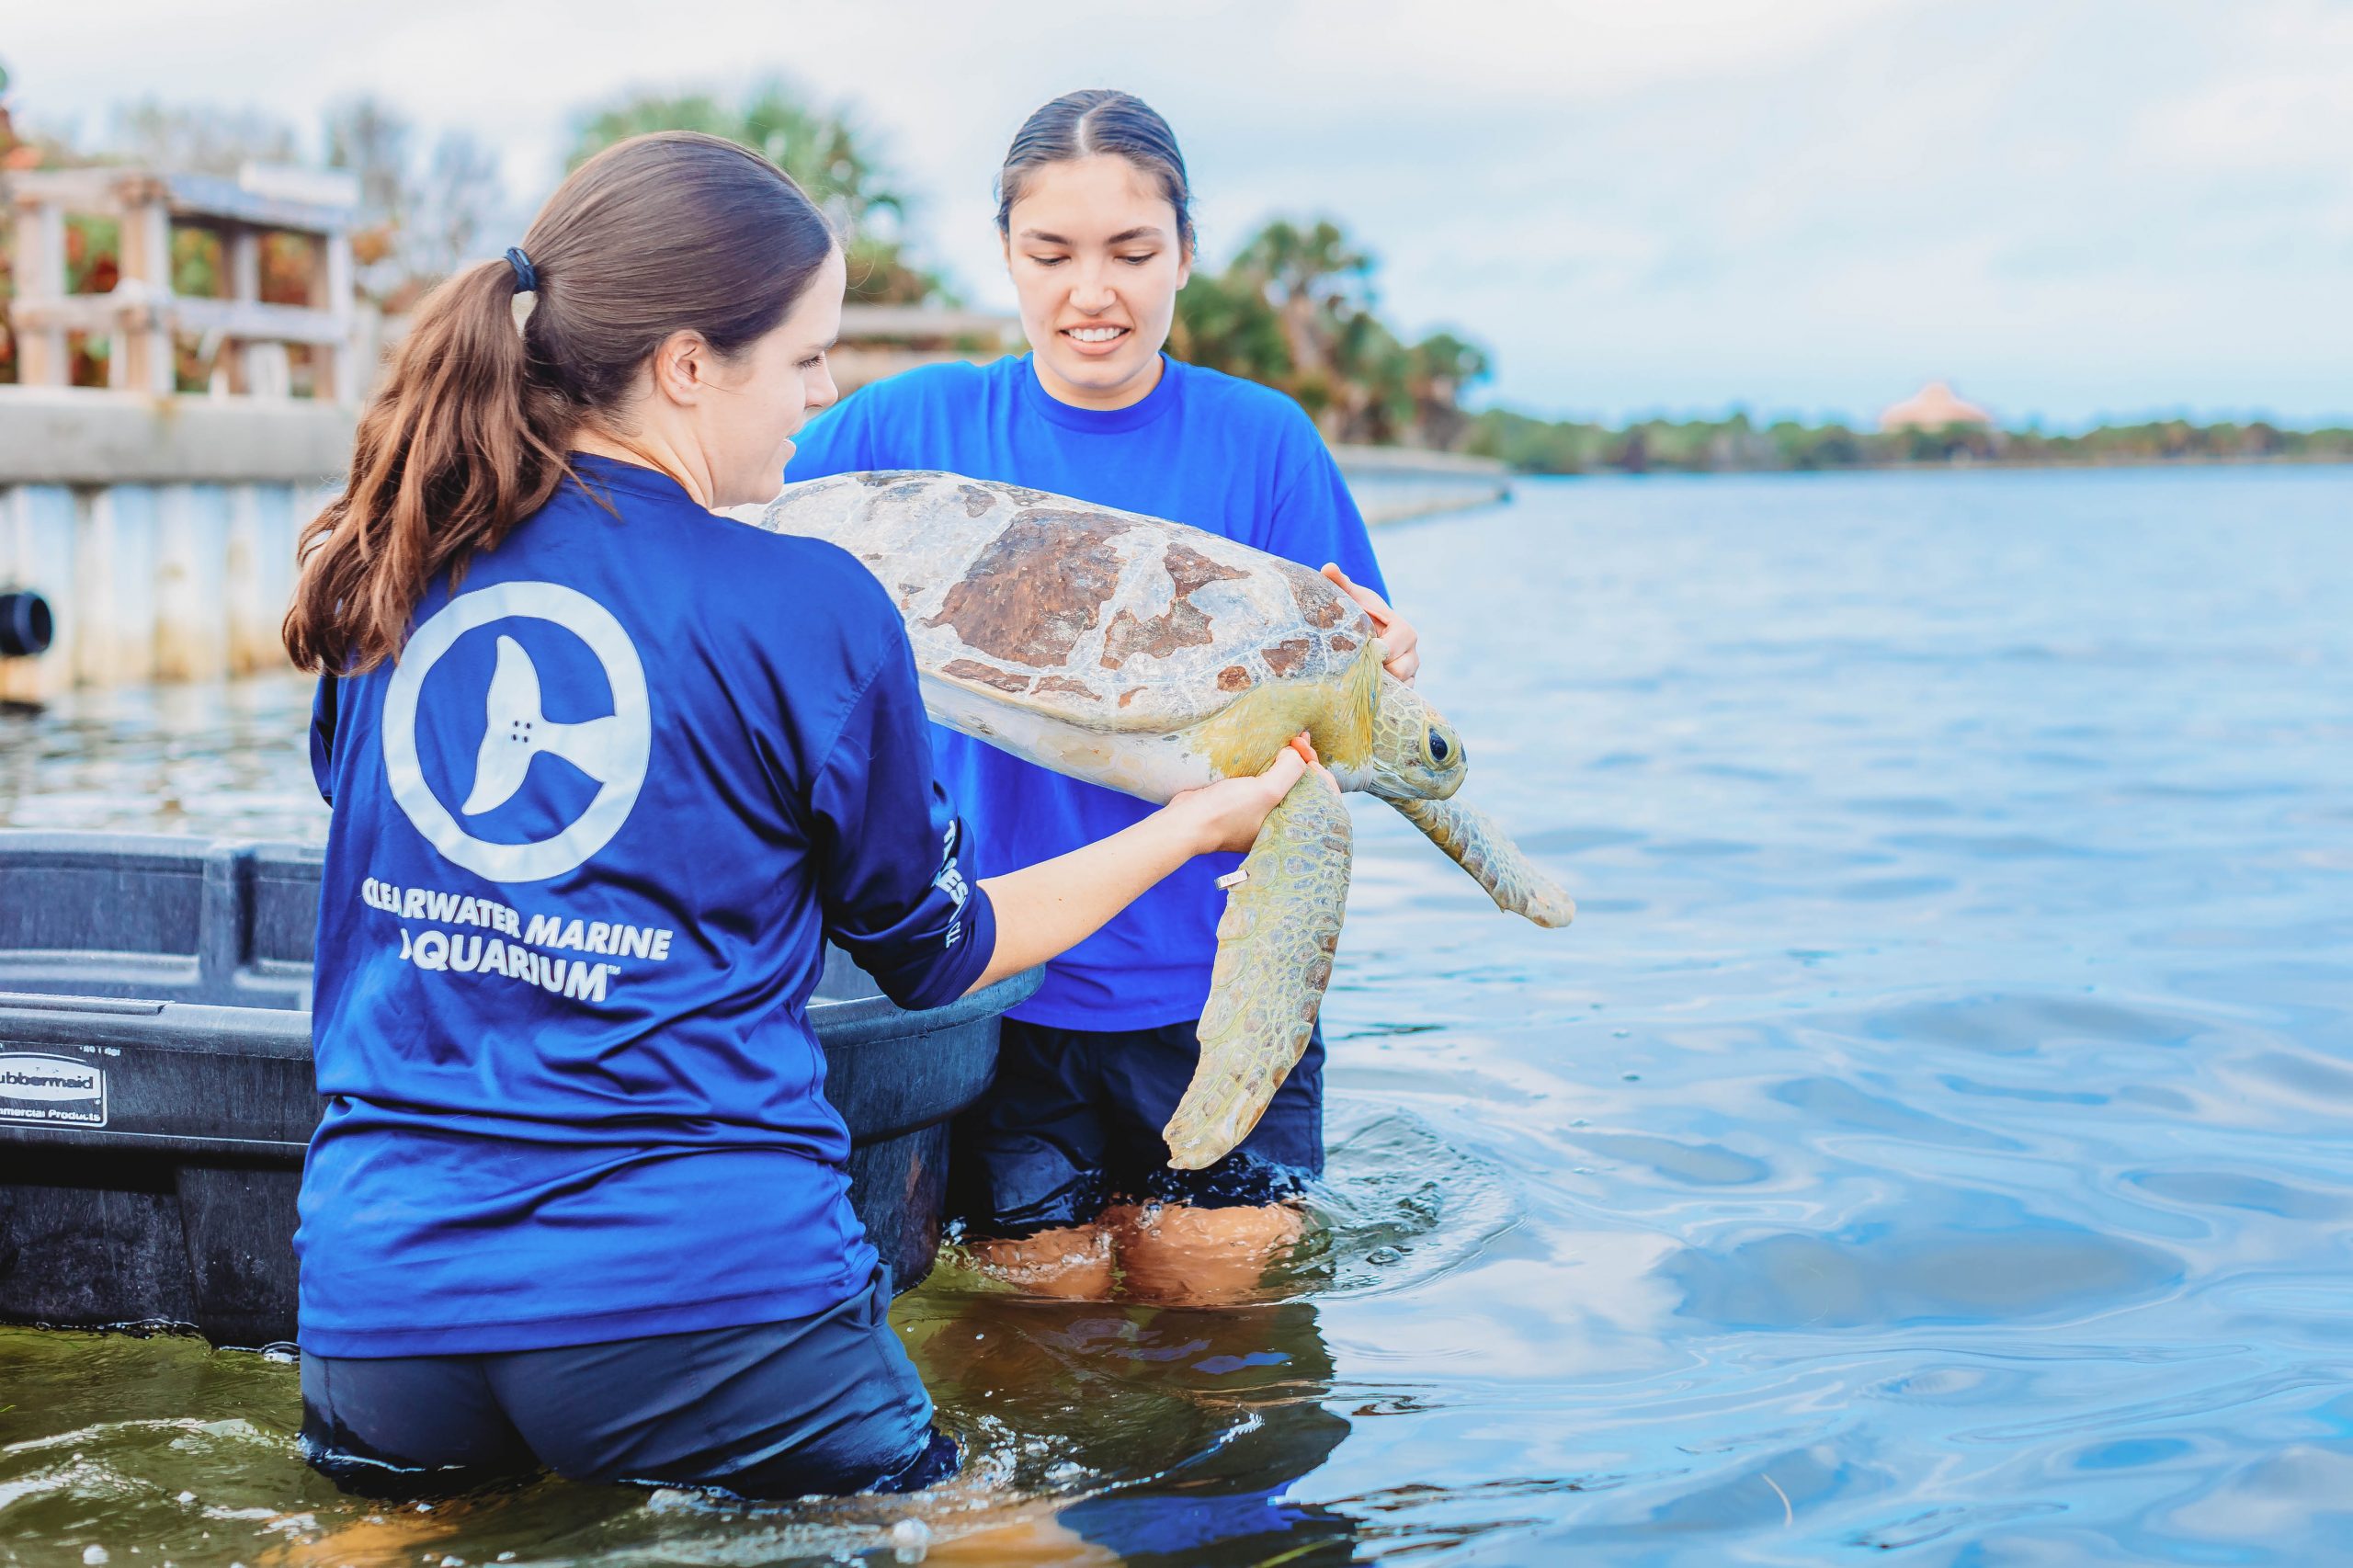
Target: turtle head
x=1416, y=755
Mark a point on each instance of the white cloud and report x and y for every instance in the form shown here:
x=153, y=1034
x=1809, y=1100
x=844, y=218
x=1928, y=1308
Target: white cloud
x=2281, y=98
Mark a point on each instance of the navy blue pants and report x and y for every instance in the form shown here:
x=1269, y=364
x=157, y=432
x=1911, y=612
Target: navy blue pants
x=828, y=1402
x=1073, y=1122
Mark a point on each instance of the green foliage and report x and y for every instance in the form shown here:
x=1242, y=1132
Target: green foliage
x=1296, y=309
x=824, y=151
x=1536, y=446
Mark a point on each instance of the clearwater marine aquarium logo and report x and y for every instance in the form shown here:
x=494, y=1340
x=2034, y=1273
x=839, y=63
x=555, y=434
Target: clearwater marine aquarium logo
x=612, y=750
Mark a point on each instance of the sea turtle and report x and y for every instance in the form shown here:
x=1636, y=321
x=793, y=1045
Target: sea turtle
x=1151, y=657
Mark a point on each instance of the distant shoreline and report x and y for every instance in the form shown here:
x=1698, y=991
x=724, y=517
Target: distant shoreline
x=1946, y=465
x=1737, y=444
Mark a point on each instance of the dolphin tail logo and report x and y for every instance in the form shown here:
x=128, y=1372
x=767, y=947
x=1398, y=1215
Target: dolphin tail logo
x=517, y=731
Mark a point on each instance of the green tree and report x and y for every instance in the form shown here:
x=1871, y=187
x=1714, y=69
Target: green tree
x=1229, y=324
x=1440, y=369
x=1296, y=309
x=824, y=151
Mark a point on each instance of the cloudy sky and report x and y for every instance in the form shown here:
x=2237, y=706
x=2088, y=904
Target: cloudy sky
x=2072, y=208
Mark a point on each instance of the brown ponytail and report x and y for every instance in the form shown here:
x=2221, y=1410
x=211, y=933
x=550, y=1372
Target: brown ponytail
x=675, y=231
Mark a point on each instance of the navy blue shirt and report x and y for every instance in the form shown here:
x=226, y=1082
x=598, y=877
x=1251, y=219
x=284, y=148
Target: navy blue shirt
x=589, y=833
x=1225, y=455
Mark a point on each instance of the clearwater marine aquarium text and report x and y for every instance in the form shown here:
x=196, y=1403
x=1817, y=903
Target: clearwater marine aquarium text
x=511, y=950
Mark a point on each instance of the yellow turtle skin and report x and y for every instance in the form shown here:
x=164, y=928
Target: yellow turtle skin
x=1276, y=945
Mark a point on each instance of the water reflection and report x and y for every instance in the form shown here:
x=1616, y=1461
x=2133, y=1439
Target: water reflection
x=1181, y=1429
x=225, y=760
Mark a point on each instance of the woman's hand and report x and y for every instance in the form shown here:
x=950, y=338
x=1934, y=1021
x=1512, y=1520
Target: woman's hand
x=1043, y=911
x=1226, y=814
x=1398, y=638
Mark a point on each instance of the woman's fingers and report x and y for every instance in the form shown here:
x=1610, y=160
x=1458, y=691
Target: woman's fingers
x=1305, y=749
x=1228, y=812
x=1399, y=640
x=1284, y=771
x=1236, y=807
x=1371, y=603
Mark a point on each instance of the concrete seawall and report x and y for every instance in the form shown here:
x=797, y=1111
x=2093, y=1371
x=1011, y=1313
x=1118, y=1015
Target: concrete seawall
x=162, y=530
x=1393, y=483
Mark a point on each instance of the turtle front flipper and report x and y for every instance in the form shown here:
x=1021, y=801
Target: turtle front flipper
x=1473, y=841
x=1274, y=945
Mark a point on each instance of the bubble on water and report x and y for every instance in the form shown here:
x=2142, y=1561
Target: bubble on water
x=910, y=1540
x=93, y=1554
x=1384, y=1256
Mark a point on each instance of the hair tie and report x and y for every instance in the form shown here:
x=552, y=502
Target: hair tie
x=527, y=277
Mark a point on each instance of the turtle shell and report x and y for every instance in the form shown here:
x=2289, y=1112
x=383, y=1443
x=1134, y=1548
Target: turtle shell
x=1083, y=615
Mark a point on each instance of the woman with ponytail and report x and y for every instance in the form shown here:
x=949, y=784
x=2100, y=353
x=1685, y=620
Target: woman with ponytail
x=607, y=770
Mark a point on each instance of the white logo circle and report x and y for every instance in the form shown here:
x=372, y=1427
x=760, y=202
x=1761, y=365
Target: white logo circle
x=614, y=750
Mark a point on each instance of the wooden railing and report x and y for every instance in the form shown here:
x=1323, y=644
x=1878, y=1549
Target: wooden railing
x=142, y=318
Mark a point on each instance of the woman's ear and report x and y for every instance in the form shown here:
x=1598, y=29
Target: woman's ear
x=681, y=367
x=1185, y=265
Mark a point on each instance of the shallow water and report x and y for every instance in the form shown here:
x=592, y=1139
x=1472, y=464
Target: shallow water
x=1932, y=1138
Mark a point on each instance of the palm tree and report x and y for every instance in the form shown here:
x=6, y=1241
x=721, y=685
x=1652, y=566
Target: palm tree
x=1317, y=281
x=1296, y=310
x=1440, y=369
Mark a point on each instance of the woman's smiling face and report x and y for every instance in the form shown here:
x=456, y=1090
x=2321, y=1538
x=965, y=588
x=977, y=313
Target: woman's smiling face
x=1093, y=250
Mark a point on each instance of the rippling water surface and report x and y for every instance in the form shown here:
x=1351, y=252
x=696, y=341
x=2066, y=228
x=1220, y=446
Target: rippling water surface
x=1931, y=1139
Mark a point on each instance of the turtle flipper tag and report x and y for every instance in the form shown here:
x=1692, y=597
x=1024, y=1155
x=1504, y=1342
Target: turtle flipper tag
x=1473, y=841
x=1275, y=946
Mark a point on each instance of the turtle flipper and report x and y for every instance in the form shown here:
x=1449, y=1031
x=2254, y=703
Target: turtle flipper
x=1274, y=958
x=1473, y=841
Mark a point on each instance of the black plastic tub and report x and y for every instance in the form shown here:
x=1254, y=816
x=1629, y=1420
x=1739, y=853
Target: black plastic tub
x=156, y=1089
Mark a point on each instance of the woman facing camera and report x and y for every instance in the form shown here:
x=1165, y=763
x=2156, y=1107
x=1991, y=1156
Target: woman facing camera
x=1094, y=212
x=607, y=770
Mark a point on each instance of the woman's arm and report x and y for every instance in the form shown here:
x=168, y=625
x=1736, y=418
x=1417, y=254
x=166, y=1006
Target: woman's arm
x=889, y=847
x=1043, y=911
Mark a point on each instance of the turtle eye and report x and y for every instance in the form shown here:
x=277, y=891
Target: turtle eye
x=1440, y=751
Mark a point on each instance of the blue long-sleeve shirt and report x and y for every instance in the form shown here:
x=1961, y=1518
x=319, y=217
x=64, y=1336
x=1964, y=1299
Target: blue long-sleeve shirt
x=590, y=832
x=1221, y=454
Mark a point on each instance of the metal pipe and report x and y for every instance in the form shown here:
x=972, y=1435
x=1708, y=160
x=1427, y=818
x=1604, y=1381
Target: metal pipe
x=26, y=624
